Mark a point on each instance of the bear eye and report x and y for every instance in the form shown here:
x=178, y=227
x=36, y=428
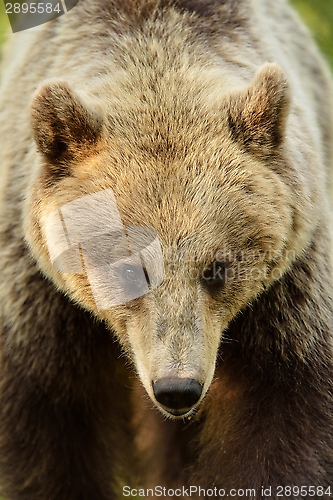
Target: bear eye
x=215, y=275
x=135, y=276
x=131, y=274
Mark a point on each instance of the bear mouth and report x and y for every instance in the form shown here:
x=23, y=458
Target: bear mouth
x=185, y=412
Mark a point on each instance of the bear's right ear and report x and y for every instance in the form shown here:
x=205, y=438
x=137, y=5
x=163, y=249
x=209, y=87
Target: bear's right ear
x=63, y=128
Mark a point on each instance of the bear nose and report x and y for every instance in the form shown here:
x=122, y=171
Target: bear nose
x=177, y=395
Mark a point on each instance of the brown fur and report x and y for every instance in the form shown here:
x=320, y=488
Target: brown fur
x=211, y=121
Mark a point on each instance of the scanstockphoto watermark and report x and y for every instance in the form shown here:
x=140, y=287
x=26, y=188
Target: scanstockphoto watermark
x=190, y=491
x=238, y=264
x=250, y=493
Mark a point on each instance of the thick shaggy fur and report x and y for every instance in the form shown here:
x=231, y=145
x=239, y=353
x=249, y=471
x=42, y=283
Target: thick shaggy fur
x=211, y=121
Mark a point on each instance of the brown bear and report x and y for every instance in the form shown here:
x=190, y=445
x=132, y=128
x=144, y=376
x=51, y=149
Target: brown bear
x=165, y=254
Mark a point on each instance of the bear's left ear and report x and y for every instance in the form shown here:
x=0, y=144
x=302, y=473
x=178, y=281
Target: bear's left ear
x=63, y=128
x=257, y=116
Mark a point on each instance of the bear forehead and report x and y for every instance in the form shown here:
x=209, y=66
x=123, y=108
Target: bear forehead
x=197, y=207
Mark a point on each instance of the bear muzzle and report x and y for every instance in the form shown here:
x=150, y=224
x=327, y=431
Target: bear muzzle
x=177, y=395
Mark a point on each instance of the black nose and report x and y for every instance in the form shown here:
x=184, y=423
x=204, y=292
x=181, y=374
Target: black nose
x=178, y=395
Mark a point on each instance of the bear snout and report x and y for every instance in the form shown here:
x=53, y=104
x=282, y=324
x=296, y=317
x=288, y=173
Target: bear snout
x=177, y=395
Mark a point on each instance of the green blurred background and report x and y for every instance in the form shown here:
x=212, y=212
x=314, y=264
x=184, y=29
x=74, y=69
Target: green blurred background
x=317, y=14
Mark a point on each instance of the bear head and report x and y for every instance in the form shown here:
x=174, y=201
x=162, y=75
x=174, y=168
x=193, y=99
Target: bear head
x=162, y=213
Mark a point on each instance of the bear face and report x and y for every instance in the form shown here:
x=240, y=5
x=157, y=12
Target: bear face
x=218, y=212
